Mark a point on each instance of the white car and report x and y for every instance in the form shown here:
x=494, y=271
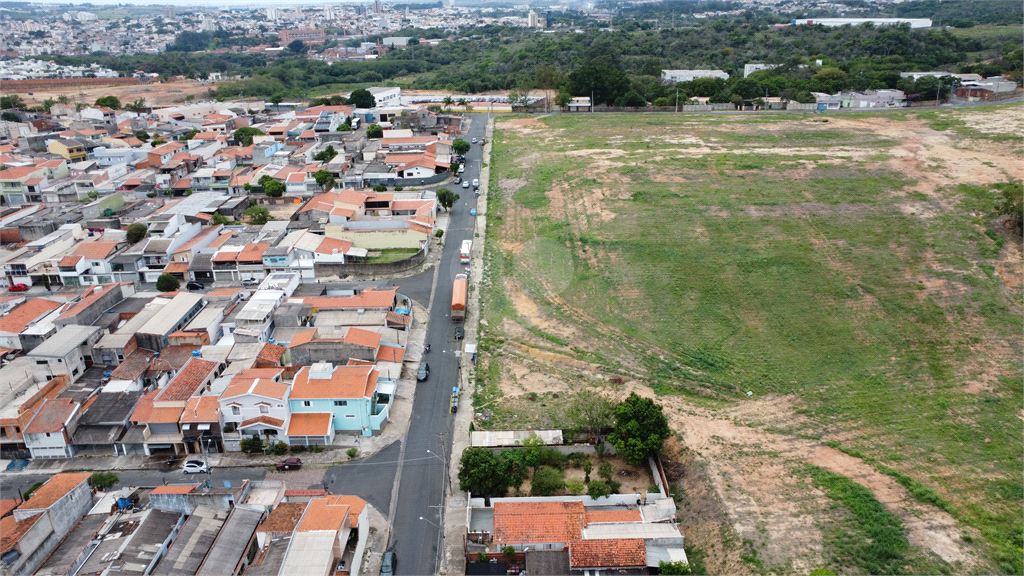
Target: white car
x=465, y=184
x=195, y=467
x=474, y=140
x=250, y=282
x=476, y=183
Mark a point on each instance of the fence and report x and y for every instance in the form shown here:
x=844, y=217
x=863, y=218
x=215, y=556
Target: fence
x=393, y=180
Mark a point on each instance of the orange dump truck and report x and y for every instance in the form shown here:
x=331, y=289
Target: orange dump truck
x=459, y=290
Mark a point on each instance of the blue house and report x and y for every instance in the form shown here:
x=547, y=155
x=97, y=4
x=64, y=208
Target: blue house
x=355, y=396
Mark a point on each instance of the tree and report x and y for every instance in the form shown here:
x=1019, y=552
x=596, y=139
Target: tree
x=679, y=568
x=460, y=146
x=575, y=486
x=605, y=82
x=103, y=480
x=640, y=429
x=326, y=155
x=142, y=135
x=598, y=488
x=245, y=134
x=275, y=189
x=374, y=131
x=447, y=198
x=344, y=128
x=189, y=135
x=324, y=179
x=158, y=142
x=509, y=553
x=136, y=232
x=9, y=117
x=296, y=46
x=362, y=98
x=448, y=102
x=112, y=102
x=562, y=99
x=829, y=80
x=483, y=473
x=546, y=76
x=546, y=481
x=590, y=412
x=463, y=102
x=167, y=283
x=631, y=99
x=12, y=101
x=138, y=106
x=258, y=215
x=252, y=445
x=1013, y=204
x=219, y=218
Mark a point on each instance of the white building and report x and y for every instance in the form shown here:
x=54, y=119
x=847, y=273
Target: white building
x=914, y=22
x=673, y=76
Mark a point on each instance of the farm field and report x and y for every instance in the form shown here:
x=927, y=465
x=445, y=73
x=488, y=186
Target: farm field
x=828, y=307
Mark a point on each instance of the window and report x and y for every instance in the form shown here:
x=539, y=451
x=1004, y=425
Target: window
x=307, y=403
x=41, y=362
x=350, y=415
x=341, y=402
x=235, y=411
x=264, y=409
x=47, y=434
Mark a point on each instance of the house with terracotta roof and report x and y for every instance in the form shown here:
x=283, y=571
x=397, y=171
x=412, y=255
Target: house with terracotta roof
x=617, y=556
x=200, y=425
x=253, y=405
x=21, y=317
x=49, y=433
x=21, y=401
x=354, y=399
x=89, y=263
x=39, y=524
x=320, y=543
x=339, y=345
x=159, y=413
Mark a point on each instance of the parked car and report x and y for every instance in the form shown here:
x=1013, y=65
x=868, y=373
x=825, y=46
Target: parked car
x=466, y=184
x=18, y=288
x=290, y=464
x=387, y=564
x=474, y=140
x=458, y=180
x=250, y=282
x=193, y=285
x=476, y=183
x=423, y=372
x=459, y=333
x=195, y=467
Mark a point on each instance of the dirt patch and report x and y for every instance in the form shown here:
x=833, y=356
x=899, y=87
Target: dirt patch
x=157, y=94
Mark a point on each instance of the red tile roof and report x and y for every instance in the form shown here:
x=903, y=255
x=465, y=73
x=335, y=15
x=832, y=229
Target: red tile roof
x=172, y=489
x=301, y=338
x=366, y=299
x=70, y=260
x=54, y=489
x=25, y=313
x=134, y=366
x=310, y=424
x=8, y=506
x=261, y=387
x=345, y=382
x=11, y=531
x=317, y=492
x=322, y=514
x=284, y=518
x=538, y=522
x=187, y=381
x=144, y=409
x=361, y=337
x=96, y=250
x=267, y=420
x=390, y=354
x=611, y=553
x=201, y=409
x=271, y=352
x=613, y=516
x=52, y=417
x=176, y=267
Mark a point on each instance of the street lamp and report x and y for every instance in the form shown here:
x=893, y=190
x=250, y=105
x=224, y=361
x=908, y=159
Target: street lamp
x=445, y=462
x=434, y=525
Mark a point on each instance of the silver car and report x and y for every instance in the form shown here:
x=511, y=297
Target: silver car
x=195, y=467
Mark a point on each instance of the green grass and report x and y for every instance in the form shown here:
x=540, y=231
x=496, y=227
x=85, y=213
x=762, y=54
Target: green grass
x=748, y=276
x=872, y=539
x=392, y=255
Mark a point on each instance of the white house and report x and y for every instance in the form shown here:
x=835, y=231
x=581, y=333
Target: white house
x=254, y=406
x=673, y=76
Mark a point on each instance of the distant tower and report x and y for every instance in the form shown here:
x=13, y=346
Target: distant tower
x=548, y=19
x=170, y=12
x=532, y=20
x=271, y=13
x=376, y=7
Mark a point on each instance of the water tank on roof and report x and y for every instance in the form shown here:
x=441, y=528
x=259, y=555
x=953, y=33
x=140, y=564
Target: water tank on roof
x=156, y=355
x=196, y=354
x=107, y=373
x=271, y=341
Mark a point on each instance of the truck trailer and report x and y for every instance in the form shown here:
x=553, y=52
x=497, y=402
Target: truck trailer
x=459, y=292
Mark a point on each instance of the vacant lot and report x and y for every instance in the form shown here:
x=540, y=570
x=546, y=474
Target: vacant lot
x=828, y=308
x=155, y=94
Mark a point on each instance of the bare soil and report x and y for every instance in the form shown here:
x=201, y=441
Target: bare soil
x=155, y=94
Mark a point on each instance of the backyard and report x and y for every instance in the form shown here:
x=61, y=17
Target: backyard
x=814, y=299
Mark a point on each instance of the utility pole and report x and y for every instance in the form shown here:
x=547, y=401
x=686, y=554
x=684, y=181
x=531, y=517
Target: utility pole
x=677, y=99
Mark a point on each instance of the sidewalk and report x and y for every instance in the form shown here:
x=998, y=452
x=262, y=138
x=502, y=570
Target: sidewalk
x=394, y=430
x=454, y=561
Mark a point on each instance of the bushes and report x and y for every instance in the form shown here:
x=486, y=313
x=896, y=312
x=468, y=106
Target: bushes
x=103, y=480
x=575, y=486
x=252, y=445
x=279, y=449
x=598, y=488
x=546, y=481
x=352, y=452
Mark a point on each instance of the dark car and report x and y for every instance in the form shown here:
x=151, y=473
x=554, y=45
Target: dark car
x=459, y=333
x=387, y=564
x=423, y=372
x=289, y=464
x=193, y=285
x=18, y=288
x=458, y=180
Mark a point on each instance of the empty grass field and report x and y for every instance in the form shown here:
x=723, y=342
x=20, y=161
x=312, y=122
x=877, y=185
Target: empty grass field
x=853, y=265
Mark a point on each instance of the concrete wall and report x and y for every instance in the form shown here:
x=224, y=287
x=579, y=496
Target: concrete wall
x=337, y=353
x=377, y=239
x=393, y=180
x=324, y=269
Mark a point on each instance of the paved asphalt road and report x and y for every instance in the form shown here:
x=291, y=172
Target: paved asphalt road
x=422, y=483
x=11, y=484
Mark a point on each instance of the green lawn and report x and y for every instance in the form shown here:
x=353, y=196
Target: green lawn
x=392, y=255
x=797, y=273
